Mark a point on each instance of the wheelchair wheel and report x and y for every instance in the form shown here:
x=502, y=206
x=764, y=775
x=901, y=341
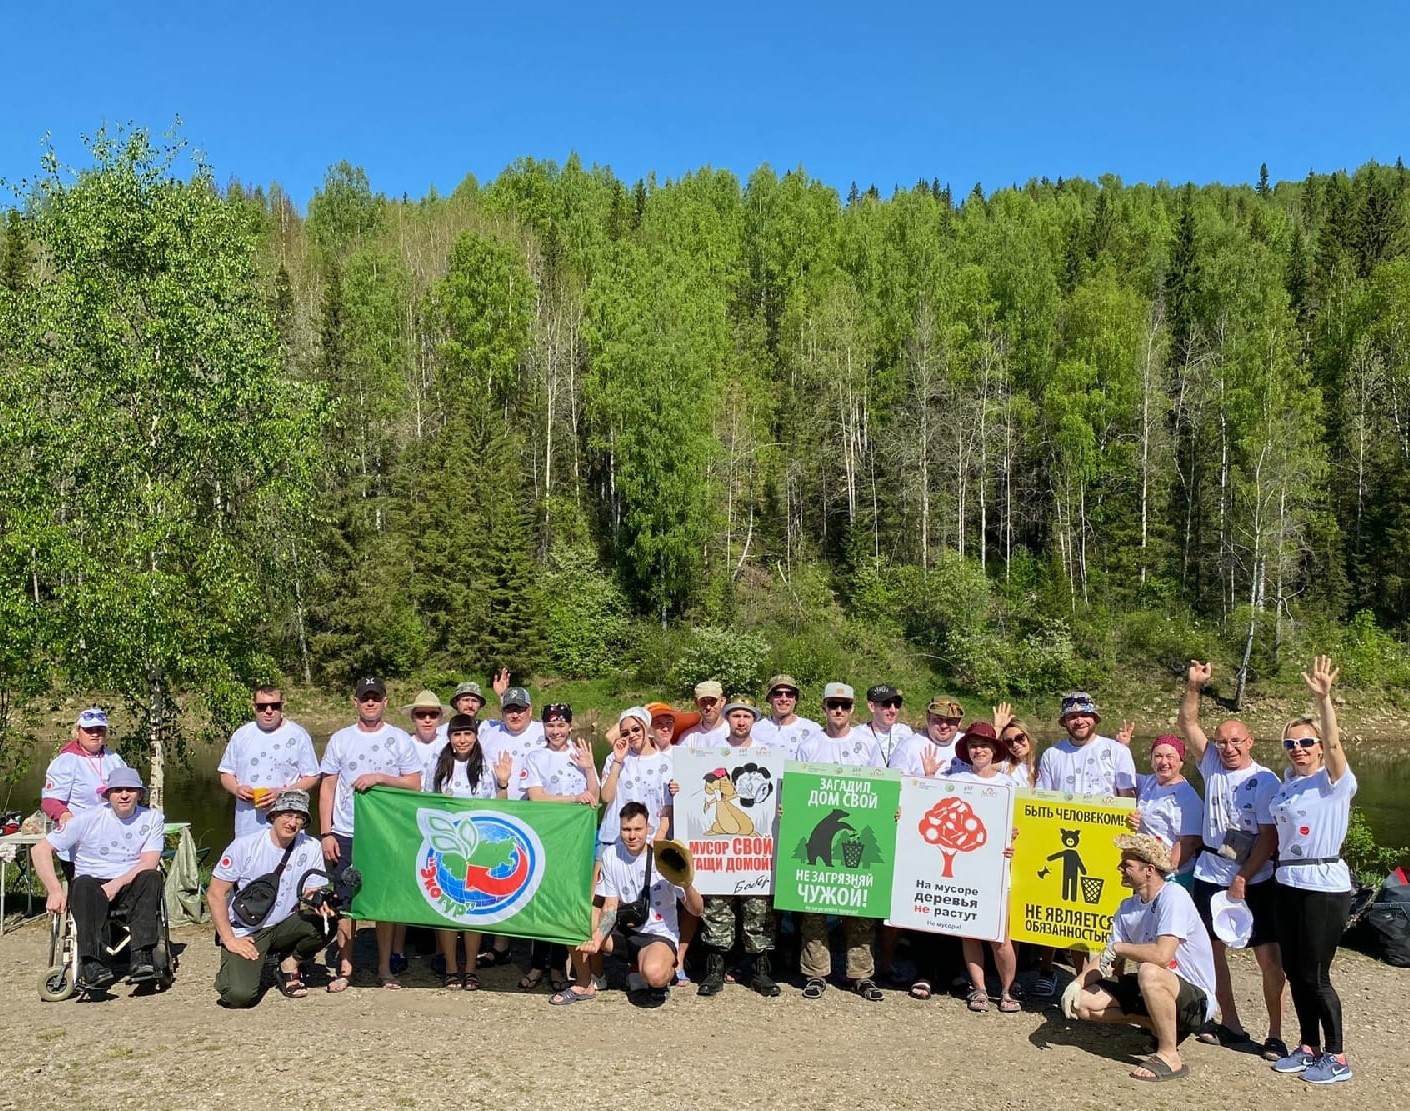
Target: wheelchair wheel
x=56, y=984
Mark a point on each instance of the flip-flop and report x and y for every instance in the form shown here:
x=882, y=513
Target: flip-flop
x=1160, y=1071
x=338, y=984
x=568, y=996
x=532, y=979
x=1216, y=1033
x=1044, y=986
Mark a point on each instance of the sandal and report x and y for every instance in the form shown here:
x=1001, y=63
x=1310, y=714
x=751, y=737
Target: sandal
x=1216, y=1033
x=450, y=981
x=489, y=958
x=1159, y=1070
x=568, y=996
x=814, y=988
x=339, y=984
x=920, y=989
x=977, y=1001
x=1045, y=985
x=558, y=980
x=291, y=985
x=470, y=981
x=1008, y=1005
x=1274, y=1049
x=391, y=983
x=532, y=979
x=868, y=990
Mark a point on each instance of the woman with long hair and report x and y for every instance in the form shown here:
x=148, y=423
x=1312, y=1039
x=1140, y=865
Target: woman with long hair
x=1021, y=764
x=460, y=771
x=1312, y=896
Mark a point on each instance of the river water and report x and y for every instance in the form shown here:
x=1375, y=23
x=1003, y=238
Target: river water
x=194, y=794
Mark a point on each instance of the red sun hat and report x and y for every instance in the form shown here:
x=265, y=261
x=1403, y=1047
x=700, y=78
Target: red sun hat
x=982, y=731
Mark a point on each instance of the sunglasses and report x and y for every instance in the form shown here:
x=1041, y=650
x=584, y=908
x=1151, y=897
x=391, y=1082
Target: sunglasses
x=425, y=713
x=890, y=704
x=371, y=696
x=837, y=705
x=782, y=693
x=262, y=707
x=1291, y=743
x=1016, y=738
x=707, y=701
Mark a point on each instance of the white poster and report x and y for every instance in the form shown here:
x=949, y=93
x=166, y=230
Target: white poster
x=951, y=875
x=727, y=813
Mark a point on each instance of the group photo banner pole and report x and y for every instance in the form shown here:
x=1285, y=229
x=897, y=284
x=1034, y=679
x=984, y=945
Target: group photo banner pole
x=836, y=840
x=950, y=874
x=726, y=811
x=1066, y=875
x=521, y=869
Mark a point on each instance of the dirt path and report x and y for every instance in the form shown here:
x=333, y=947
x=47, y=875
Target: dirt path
x=426, y=1048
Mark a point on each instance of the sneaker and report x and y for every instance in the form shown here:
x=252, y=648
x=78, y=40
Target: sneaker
x=1327, y=1070
x=143, y=966
x=1299, y=1060
x=94, y=976
x=398, y=964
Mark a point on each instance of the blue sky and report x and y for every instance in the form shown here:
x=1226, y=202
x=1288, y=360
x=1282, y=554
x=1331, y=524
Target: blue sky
x=883, y=93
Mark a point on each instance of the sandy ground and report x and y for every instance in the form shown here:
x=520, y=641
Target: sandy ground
x=424, y=1047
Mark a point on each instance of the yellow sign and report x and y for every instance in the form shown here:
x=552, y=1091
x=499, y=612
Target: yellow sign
x=1066, y=879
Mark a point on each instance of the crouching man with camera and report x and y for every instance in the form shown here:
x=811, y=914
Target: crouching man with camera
x=639, y=888
x=266, y=897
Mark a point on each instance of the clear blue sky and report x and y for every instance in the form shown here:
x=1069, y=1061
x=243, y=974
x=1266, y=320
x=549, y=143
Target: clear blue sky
x=421, y=94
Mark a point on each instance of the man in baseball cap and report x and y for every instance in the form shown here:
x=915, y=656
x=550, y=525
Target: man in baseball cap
x=783, y=727
x=884, y=701
x=712, y=728
x=117, y=849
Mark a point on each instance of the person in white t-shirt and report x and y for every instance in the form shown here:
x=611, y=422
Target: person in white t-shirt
x=1157, y=969
x=839, y=743
x=77, y=777
x=1311, y=811
x=783, y=728
x=1239, y=843
x=652, y=938
x=1169, y=809
x=712, y=729
x=369, y=754
x=933, y=752
x=292, y=931
x=885, y=701
x=427, y=737
x=1022, y=764
x=266, y=756
x=518, y=735
x=1082, y=763
x=467, y=699
x=116, y=850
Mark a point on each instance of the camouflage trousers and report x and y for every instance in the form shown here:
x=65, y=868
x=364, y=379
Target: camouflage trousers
x=755, y=922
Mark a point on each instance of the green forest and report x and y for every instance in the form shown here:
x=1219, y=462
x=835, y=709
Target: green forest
x=994, y=440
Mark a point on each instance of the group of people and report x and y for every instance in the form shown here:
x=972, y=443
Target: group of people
x=1268, y=841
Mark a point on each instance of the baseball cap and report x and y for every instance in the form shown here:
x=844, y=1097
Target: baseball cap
x=838, y=690
x=709, y=689
x=291, y=801
x=92, y=718
x=883, y=692
x=469, y=688
x=782, y=681
x=739, y=702
x=123, y=777
x=370, y=685
x=516, y=696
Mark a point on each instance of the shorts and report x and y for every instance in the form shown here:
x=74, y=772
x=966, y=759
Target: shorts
x=1190, y=1004
x=631, y=944
x=341, y=889
x=1258, y=896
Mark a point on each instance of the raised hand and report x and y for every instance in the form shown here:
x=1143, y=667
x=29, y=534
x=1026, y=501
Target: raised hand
x=582, y=756
x=1199, y=673
x=1126, y=732
x=929, y=762
x=503, y=767
x=1003, y=714
x=501, y=681
x=619, y=748
x=1322, y=677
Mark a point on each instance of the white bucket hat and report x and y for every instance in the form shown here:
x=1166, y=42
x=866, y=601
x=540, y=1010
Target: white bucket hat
x=1233, y=921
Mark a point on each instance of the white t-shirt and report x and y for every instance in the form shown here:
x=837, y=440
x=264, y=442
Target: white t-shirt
x=785, y=737
x=105, y=846
x=78, y=780
x=1170, y=812
x=458, y=785
x=554, y=771
x=495, y=739
x=697, y=736
x=645, y=779
x=909, y=756
x=858, y=748
x=623, y=876
x=968, y=774
x=1171, y=913
x=351, y=753
x=249, y=857
x=266, y=759
x=1311, y=813
x=1102, y=766
x=428, y=752
x=886, y=739
x=1022, y=774
x=1236, y=800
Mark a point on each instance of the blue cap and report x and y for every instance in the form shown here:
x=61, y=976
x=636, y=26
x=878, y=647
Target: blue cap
x=93, y=718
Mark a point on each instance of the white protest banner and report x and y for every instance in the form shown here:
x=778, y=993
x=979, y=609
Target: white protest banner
x=726, y=812
x=951, y=875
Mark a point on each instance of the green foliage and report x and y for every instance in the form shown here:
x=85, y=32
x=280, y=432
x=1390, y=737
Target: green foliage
x=736, y=659
x=586, y=622
x=1368, y=655
x=1370, y=862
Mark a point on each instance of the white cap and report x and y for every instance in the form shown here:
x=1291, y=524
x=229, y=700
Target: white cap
x=839, y=690
x=1233, y=921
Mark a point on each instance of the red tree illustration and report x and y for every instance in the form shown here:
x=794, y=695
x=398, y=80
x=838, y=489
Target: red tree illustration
x=953, y=827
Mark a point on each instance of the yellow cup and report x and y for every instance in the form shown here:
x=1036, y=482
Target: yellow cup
x=262, y=793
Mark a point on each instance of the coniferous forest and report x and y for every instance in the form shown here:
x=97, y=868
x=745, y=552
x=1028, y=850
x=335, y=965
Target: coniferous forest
x=1006, y=440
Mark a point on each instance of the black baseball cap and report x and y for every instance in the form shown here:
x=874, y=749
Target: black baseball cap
x=883, y=692
x=370, y=686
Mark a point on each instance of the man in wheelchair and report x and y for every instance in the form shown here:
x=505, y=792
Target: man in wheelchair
x=117, y=850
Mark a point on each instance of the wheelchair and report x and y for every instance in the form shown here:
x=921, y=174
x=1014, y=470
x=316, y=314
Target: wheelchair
x=60, y=980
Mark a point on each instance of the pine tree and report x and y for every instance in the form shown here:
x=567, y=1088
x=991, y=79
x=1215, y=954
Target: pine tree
x=1263, y=189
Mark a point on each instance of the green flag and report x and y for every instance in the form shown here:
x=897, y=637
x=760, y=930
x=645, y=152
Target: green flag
x=523, y=869
x=837, y=840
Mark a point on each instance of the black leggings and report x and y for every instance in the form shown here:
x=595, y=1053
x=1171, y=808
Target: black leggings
x=1310, y=925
